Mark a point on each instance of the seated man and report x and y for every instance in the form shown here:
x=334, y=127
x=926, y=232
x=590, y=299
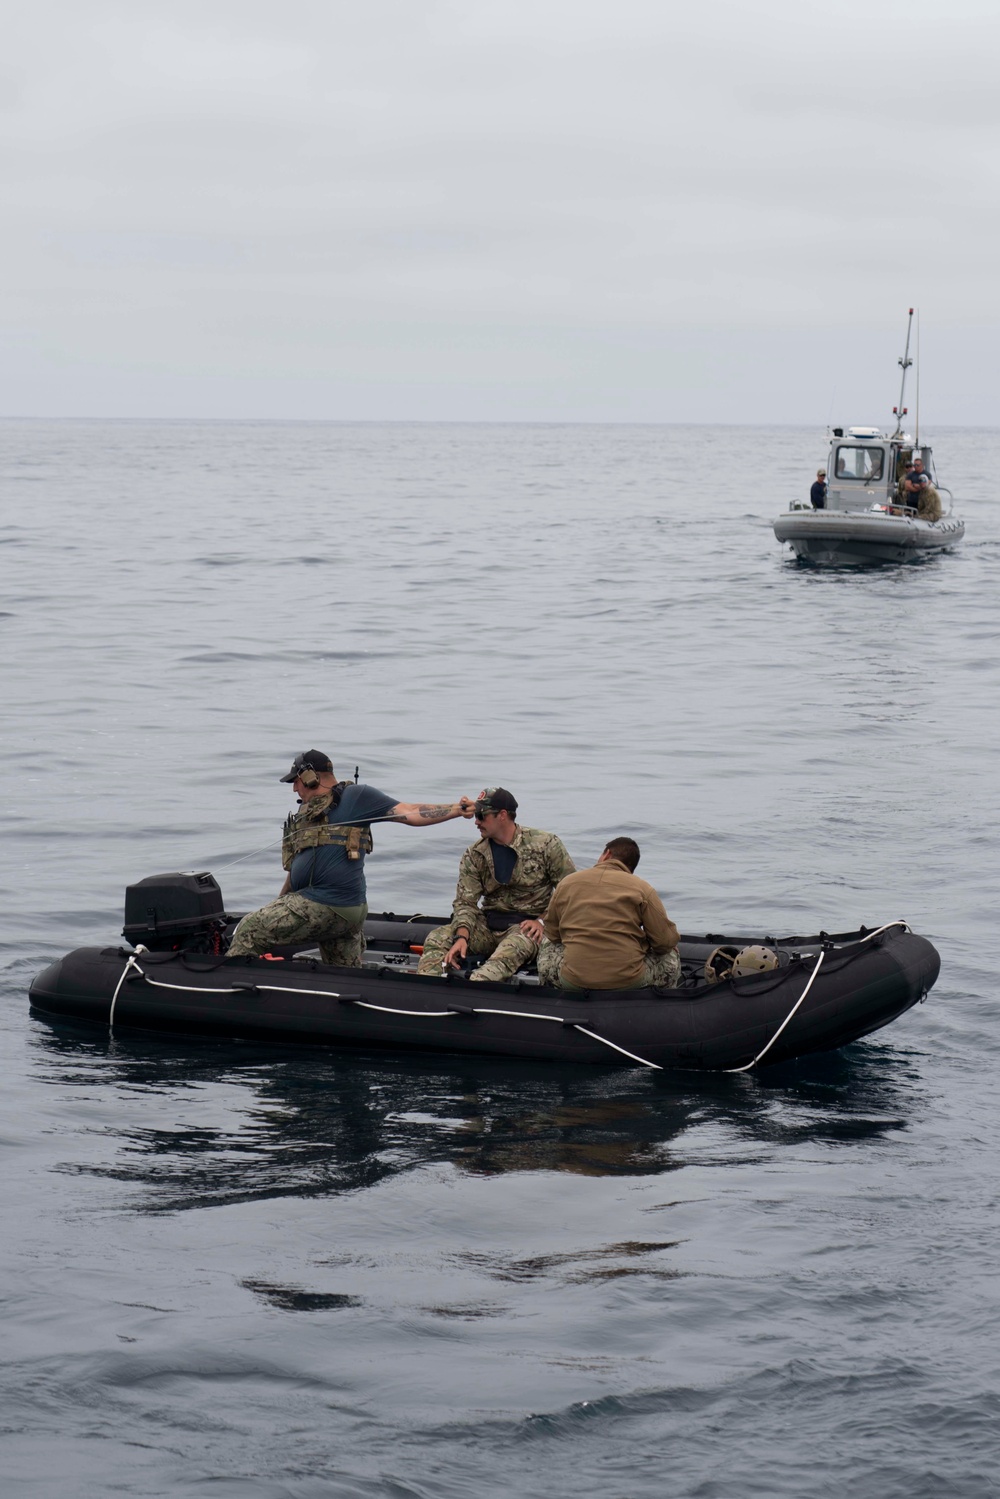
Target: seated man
x=324, y=898
x=929, y=504
x=505, y=883
x=607, y=929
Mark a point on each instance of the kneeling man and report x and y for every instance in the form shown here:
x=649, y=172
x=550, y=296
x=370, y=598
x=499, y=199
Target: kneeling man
x=324, y=898
x=607, y=929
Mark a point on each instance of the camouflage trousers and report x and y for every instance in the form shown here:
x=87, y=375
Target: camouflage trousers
x=659, y=970
x=294, y=918
x=507, y=951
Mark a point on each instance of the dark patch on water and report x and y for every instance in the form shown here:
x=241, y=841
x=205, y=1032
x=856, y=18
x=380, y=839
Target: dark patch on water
x=295, y=1299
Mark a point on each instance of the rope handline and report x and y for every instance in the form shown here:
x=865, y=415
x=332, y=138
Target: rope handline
x=866, y=938
x=251, y=855
x=781, y=1027
x=239, y=989
x=519, y=1014
x=655, y=1065
x=879, y=930
x=124, y=975
x=366, y=1005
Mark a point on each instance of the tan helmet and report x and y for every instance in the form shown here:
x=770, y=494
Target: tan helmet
x=719, y=964
x=754, y=959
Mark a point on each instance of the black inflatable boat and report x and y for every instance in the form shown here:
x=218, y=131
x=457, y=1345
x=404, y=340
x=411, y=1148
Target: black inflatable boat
x=826, y=991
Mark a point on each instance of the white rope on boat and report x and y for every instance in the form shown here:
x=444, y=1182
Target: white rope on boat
x=570, y=1025
x=781, y=1027
x=655, y=1065
x=124, y=975
x=866, y=938
x=519, y=1014
x=879, y=930
x=364, y=1004
x=241, y=988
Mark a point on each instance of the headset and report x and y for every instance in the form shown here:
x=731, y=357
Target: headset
x=310, y=777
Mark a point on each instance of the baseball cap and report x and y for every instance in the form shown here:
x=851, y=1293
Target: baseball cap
x=495, y=799
x=308, y=760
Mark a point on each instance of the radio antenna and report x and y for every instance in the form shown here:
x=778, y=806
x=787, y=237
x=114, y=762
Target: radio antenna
x=900, y=411
x=916, y=425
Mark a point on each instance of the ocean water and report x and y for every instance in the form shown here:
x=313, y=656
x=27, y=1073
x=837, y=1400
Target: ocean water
x=283, y=1274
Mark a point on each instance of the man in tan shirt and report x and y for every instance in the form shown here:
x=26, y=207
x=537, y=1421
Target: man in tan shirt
x=607, y=929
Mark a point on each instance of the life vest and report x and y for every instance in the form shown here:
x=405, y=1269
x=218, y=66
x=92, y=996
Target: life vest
x=309, y=828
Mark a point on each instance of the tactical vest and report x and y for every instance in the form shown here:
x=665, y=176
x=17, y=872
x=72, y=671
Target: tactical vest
x=309, y=828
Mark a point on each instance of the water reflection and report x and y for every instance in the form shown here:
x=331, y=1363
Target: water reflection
x=209, y=1123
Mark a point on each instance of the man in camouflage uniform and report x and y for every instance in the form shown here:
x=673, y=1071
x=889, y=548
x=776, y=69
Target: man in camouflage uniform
x=929, y=505
x=505, y=883
x=324, y=897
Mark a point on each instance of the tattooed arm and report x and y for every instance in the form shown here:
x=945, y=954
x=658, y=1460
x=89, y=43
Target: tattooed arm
x=423, y=814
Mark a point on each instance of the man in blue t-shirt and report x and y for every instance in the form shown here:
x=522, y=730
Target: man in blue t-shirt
x=913, y=481
x=324, y=898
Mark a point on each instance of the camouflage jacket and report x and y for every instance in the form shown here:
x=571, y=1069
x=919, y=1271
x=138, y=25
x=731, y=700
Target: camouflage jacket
x=542, y=862
x=929, y=504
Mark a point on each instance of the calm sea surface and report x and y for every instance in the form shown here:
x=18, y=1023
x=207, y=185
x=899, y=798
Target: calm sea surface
x=281, y=1274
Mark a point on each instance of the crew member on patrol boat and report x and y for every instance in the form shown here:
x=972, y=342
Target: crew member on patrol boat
x=919, y=492
x=505, y=883
x=324, y=898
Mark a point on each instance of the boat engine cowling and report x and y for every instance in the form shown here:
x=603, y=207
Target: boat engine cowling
x=166, y=912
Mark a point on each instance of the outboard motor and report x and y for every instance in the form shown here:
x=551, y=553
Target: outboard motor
x=167, y=912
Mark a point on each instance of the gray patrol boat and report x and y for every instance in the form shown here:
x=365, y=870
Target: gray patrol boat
x=866, y=517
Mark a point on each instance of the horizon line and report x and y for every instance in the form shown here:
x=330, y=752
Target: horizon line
x=422, y=421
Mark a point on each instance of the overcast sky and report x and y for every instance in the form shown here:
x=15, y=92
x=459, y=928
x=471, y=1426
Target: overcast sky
x=622, y=210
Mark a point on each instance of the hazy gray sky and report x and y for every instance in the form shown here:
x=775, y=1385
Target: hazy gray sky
x=498, y=209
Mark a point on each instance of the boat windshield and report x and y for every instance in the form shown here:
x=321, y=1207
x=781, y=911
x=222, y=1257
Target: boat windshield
x=858, y=462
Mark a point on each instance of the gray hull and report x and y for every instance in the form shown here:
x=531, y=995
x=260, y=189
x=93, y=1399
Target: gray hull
x=843, y=538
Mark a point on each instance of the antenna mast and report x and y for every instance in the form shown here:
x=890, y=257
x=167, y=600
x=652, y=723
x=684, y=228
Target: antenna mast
x=916, y=428
x=900, y=411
